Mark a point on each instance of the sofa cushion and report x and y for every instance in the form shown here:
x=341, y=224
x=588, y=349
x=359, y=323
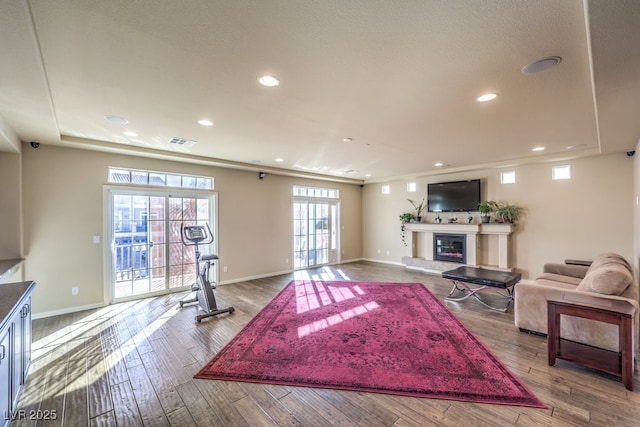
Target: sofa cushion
x=553, y=277
x=611, y=278
x=610, y=257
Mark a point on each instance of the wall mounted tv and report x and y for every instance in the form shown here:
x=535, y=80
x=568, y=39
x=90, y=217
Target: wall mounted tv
x=455, y=196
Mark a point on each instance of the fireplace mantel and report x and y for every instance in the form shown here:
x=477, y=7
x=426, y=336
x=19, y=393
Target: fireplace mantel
x=423, y=232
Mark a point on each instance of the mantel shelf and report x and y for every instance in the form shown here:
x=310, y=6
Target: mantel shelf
x=496, y=228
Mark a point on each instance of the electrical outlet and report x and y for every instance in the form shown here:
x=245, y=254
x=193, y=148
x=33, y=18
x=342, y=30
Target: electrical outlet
x=96, y=239
x=224, y=269
x=74, y=290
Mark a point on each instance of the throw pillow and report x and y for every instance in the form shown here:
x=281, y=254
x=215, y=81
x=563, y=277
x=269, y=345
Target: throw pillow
x=608, y=278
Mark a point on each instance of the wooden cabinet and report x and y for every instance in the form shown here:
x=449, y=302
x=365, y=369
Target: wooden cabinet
x=15, y=344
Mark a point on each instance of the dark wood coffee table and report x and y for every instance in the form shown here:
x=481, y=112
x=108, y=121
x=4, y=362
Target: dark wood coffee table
x=470, y=281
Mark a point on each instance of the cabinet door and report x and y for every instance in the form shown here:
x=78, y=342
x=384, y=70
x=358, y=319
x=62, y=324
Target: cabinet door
x=26, y=339
x=16, y=372
x=5, y=377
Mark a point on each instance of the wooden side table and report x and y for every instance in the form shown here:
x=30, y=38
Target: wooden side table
x=620, y=364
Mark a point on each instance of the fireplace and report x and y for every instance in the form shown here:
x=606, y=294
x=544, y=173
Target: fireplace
x=450, y=247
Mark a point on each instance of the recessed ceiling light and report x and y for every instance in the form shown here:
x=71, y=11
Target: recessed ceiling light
x=367, y=175
x=487, y=97
x=205, y=122
x=576, y=146
x=541, y=65
x=130, y=133
x=347, y=139
x=116, y=119
x=438, y=165
x=269, y=81
x=537, y=149
x=279, y=160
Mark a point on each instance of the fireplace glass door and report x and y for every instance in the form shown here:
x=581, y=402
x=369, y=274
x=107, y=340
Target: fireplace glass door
x=449, y=247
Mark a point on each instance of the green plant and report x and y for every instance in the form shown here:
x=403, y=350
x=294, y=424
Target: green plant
x=487, y=207
x=419, y=207
x=405, y=218
x=507, y=212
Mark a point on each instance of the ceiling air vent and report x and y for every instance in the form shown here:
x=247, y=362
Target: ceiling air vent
x=182, y=141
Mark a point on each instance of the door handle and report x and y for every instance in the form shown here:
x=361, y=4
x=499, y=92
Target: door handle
x=2, y=352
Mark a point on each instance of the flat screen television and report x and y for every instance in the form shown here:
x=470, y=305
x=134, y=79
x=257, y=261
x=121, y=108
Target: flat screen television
x=455, y=196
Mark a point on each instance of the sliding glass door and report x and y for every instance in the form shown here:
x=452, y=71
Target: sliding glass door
x=147, y=255
x=315, y=233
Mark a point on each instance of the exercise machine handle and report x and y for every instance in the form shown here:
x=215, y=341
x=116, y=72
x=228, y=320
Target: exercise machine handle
x=193, y=235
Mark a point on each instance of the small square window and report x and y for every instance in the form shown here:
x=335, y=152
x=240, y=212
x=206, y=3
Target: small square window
x=386, y=189
x=508, y=177
x=411, y=187
x=561, y=172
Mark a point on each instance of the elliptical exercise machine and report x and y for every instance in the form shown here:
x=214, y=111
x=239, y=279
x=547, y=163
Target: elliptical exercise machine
x=202, y=288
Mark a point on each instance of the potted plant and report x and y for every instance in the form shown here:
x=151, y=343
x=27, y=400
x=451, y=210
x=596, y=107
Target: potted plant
x=506, y=212
x=404, y=218
x=486, y=208
x=419, y=207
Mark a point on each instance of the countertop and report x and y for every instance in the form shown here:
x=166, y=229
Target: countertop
x=10, y=296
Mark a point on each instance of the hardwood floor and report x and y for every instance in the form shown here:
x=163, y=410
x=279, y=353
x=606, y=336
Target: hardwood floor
x=132, y=364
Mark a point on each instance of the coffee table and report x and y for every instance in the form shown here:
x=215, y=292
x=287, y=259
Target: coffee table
x=470, y=281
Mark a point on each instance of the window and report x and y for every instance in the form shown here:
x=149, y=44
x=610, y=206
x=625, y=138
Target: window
x=411, y=187
x=508, y=177
x=386, y=189
x=561, y=172
x=325, y=193
x=159, y=179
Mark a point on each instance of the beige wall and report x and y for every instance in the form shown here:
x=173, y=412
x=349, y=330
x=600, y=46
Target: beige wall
x=63, y=204
x=577, y=218
x=10, y=205
x=63, y=210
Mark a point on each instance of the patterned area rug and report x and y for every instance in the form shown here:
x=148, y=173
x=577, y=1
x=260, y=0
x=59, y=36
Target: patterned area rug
x=394, y=338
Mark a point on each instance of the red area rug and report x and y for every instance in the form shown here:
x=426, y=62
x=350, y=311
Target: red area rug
x=394, y=338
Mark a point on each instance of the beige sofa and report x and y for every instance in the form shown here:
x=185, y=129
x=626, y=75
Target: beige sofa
x=608, y=281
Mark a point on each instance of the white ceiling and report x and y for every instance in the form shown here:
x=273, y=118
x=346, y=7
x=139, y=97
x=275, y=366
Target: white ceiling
x=399, y=77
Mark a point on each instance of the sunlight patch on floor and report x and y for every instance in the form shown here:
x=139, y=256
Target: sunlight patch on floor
x=75, y=337
x=321, y=324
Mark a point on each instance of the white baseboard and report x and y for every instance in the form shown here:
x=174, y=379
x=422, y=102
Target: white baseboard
x=279, y=273
x=259, y=276
x=346, y=261
x=67, y=310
